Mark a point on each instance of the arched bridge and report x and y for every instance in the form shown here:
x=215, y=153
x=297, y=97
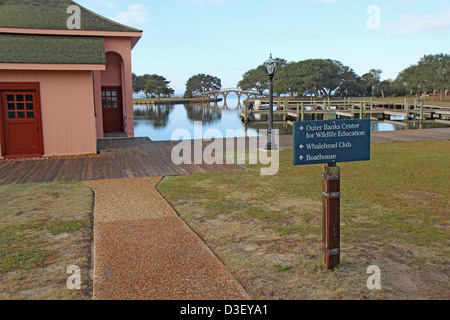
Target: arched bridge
x=226, y=92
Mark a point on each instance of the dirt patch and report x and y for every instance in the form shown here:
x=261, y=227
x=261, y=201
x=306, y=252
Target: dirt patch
x=45, y=228
x=413, y=273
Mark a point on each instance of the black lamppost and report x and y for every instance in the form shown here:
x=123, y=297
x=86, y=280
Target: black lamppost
x=271, y=67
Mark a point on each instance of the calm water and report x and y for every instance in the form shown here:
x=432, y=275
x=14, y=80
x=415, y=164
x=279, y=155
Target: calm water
x=160, y=121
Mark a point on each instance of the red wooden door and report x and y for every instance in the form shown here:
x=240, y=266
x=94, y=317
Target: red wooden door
x=112, y=109
x=22, y=129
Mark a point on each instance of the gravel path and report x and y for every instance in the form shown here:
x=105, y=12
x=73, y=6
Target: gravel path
x=144, y=251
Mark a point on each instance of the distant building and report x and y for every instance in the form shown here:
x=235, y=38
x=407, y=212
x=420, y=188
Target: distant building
x=65, y=79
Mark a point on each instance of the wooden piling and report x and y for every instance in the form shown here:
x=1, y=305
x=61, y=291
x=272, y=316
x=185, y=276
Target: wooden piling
x=406, y=111
x=422, y=105
x=246, y=111
x=303, y=111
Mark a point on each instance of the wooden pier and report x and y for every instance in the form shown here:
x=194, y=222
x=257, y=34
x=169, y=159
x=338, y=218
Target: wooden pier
x=352, y=109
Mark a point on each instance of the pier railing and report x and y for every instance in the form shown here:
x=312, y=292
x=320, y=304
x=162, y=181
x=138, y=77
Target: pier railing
x=349, y=108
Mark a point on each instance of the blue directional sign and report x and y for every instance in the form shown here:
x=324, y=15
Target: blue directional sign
x=331, y=141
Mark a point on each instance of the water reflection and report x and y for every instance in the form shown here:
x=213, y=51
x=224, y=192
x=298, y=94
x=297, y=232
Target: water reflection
x=158, y=122
x=158, y=115
x=226, y=106
x=284, y=128
x=411, y=125
x=203, y=112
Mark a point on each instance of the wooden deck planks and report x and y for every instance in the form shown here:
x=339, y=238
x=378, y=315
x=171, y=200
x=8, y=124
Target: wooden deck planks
x=5, y=169
x=29, y=167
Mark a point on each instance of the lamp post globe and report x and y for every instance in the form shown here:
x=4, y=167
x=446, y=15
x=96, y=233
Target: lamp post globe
x=271, y=66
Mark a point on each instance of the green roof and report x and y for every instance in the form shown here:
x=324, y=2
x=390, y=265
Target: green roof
x=16, y=48
x=52, y=14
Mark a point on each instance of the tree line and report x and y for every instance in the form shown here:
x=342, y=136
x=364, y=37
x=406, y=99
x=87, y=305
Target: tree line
x=326, y=77
x=152, y=85
x=318, y=77
x=156, y=85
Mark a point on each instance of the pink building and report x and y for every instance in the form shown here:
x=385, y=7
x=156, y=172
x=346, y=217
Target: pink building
x=65, y=79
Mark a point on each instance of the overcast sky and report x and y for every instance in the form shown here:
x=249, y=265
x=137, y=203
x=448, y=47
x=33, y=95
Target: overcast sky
x=225, y=38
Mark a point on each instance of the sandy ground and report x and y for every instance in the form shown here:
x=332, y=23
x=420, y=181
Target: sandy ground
x=144, y=251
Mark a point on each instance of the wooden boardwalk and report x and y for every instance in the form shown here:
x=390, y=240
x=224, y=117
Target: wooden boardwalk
x=375, y=110
x=118, y=158
x=140, y=157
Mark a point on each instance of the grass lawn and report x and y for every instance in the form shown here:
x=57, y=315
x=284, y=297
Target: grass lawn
x=267, y=230
x=44, y=229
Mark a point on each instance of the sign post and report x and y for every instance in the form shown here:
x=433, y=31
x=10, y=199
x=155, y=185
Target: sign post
x=331, y=228
x=330, y=142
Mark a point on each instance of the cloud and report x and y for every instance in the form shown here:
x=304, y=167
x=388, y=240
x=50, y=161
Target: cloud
x=135, y=13
x=414, y=24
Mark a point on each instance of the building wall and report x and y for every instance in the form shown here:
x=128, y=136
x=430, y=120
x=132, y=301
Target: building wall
x=121, y=47
x=67, y=107
x=112, y=76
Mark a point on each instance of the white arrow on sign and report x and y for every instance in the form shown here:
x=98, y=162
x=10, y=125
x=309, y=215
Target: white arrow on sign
x=301, y=158
x=302, y=146
x=301, y=128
